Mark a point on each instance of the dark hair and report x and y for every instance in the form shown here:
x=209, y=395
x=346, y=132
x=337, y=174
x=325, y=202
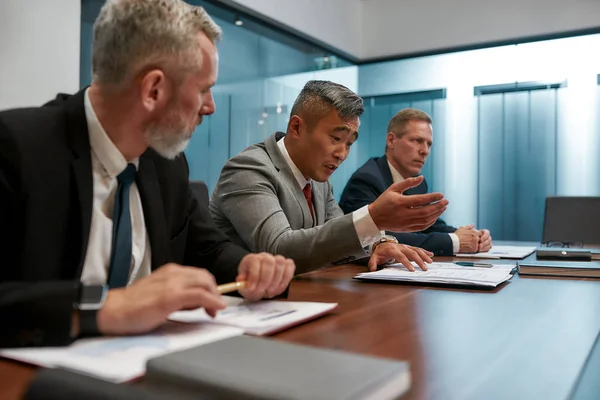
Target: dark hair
x=318, y=98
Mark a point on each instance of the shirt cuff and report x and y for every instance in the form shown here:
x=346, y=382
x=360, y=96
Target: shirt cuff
x=455, y=243
x=365, y=227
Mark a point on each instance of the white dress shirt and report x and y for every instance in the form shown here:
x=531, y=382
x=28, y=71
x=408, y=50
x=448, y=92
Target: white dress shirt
x=107, y=164
x=396, y=177
x=365, y=227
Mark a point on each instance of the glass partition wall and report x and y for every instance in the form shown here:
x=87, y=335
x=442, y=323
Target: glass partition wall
x=511, y=124
x=261, y=71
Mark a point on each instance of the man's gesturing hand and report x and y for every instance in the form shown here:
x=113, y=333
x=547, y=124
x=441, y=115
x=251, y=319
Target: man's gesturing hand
x=145, y=304
x=393, y=211
x=266, y=275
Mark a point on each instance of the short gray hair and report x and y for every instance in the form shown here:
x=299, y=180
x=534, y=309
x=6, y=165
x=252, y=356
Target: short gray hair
x=318, y=98
x=131, y=35
x=398, y=123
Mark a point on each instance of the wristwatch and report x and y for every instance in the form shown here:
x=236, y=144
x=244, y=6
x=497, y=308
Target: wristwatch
x=91, y=299
x=384, y=239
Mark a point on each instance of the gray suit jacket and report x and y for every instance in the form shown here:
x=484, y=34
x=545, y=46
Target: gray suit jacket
x=260, y=206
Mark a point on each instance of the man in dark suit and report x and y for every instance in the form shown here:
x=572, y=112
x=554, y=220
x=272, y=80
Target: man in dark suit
x=408, y=142
x=99, y=231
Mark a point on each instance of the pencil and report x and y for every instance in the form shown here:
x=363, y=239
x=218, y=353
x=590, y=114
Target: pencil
x=231, y=287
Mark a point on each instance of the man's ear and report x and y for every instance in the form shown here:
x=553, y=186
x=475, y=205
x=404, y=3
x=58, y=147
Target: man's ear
x=154, y=90
x=390, y=139
x=295, y=126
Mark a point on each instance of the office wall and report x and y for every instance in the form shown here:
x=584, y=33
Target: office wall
x=335, y=22
x=39, y=50
x=570, y=115
x=392, y=27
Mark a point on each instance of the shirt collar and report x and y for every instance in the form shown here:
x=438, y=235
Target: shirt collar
x=302, y=181
x=396, y=177
x=109, y=156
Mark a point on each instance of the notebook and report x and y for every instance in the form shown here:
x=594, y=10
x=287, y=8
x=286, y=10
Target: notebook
x=497, y=252
x=584, y=269
x=259, y=368
x=258, y=318
x=443, y=273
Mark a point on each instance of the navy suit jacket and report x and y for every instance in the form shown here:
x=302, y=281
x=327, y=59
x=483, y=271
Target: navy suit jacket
x=370, y=181
x=46, y=199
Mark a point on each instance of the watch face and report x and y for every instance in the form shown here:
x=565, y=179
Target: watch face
x=92, y=297
x=388, y=238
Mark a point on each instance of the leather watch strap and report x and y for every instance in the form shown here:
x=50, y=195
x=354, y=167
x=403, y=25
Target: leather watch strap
x=88, y=324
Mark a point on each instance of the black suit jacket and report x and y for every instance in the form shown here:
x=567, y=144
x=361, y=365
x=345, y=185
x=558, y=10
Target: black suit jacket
x=370, y=181
x=45, y=215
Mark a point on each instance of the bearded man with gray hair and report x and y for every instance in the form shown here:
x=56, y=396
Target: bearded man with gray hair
x=99, y=231
x=275, y=196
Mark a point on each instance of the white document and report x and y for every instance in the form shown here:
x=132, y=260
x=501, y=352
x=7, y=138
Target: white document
x=444, y=273
x=496, y=252
x=258, y=318
x=119, y=359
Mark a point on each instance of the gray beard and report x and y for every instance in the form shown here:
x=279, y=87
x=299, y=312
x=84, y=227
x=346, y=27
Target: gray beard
x=168, y=147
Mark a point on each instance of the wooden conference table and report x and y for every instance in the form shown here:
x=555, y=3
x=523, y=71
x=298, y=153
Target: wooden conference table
x=527, y=339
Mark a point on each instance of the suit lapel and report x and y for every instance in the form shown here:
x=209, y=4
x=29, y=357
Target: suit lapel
x=383, y=166
x=154, y=217
x=387, y=177
x=281, y=165
x=81, y=164
x=421, y=189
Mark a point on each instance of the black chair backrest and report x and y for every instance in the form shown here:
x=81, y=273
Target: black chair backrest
x=200, y=190
x=572, y=219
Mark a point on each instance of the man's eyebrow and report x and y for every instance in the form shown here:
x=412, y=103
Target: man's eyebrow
x=340, y=128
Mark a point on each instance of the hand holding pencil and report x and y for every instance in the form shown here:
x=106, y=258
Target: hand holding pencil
x=231, y=287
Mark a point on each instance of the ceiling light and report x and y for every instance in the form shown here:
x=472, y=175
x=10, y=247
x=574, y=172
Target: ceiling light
x=238, y=21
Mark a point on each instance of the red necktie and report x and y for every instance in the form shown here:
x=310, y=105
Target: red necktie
x=308, y=196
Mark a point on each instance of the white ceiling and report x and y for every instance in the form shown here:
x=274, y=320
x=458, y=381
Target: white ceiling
x=369, y=29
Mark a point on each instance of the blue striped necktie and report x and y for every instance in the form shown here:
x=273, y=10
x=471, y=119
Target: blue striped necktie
x=120, y=258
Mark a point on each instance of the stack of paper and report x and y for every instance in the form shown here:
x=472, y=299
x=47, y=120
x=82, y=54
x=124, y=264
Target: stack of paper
x=512, y=252
x=259, y=318
x=119, y=359
x=443, y=273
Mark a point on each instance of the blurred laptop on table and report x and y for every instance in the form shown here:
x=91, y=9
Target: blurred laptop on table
x=571, y=228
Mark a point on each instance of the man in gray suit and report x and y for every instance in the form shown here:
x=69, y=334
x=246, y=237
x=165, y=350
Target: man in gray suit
x=275, y=196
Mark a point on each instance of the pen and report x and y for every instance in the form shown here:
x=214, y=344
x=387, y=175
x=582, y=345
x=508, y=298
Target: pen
x=473, y=264
x=231, y=287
